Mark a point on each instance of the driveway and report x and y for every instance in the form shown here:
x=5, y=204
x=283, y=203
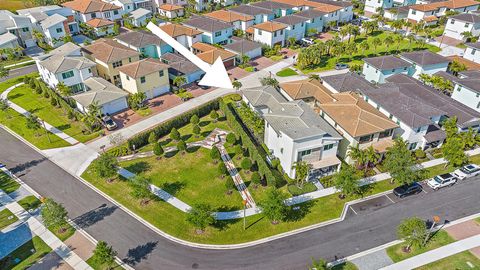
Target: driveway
x=145, y=249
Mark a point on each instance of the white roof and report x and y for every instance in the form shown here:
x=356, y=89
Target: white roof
x=52, y=20
x=139, y=13
x=99, y=90
x=6, y=38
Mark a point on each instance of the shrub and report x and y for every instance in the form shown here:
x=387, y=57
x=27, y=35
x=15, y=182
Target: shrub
x=246, y=164
x=222, y=169
x=119, y=151
x=275, y=163
x=419, y=153
x=38, y=90
x=214, y=115
x=229, y=184
x=327, y=181
x=158, y=149
x=231, y=139
x=174, y=134
x=256, y=179
x=54, y=102
x=181, y=146
x=307, y=187
x=196, y=130
x=194, y=120
x=46, y=94
x=215, y=154
x=70, y=114
x=238, y=151
x=152, y=138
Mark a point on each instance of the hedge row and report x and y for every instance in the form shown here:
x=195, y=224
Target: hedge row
x=163, y=129
x=256, y=153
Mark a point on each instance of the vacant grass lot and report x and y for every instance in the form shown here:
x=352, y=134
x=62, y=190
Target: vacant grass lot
x=192, y=177
x=25, y=97
x=7, y=184
x=457, y=262
x=328, y=62
x=25, y=254
x=6, y=218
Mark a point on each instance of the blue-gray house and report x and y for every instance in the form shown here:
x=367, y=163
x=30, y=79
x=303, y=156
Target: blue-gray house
x=214, y=32
x=314, y=23
x=279, y=9
x=147, y=44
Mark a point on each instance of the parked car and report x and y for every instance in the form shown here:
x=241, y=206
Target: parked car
x=109, y=123
x=443, y=180
x=307, y=41
x=467, y=171
x=407, y=189
x=340, y=66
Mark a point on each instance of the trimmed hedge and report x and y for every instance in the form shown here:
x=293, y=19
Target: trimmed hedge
x=163, y=129
x=256, y=152
x=307, y=187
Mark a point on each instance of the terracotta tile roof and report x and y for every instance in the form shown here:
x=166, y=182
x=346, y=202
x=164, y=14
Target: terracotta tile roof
x=295, y=3
x=209, y=53
x=270, y=26
x=89, y=6
x=228, y=16
x=307, y=88
x=143, y=67
x=325, y=7
x=176, y=30
x=250, y=30
x=469, y=64
x=169, y=7
x=452, y=4
x=108, y=51
x=97, y=22
x=355, y=115
x=431, y=18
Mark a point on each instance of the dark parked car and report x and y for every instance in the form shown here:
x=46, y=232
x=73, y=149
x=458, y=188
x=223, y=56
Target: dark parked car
x=407, y=189
x=340, y=66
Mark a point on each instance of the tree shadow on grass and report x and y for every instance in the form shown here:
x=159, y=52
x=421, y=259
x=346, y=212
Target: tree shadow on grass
x=166, y=141
x=93, y=216
x=173, y=187
x=138, y=167
x=64, y=127
x=186, y=137
x=366, y=189
x=14, y=96
x=171, y=154
x=192, y=149
x=205, y=133
x=139, y=253
x=298, y=212
x=225, y=224
x=204, y=123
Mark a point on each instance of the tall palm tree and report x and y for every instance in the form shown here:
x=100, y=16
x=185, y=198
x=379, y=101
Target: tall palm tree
x=456, y=67
x=245, y=59
x=388, y=41
x=397, y=24
x=410, y=38
x=315, y=77
x=364, y=46
x=425, y=78
x=376, y=41
x=179, y=80
x=467, y=36
x=237, y=85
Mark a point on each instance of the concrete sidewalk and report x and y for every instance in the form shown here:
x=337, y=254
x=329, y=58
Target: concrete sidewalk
x=436, y=254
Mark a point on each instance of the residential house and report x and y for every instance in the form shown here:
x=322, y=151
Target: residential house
x=358, y=122
x=377, y=69
x=38, y=14
x=296, y=26
x=294, y=132
x=239, y=21
x=149, y=76
x=268, y=33
x=467, y=88
x=259, y=14
x=429, y=13
x=185, y=35
x=461, y=23
x=347, y=82
x=102, y=93
x=472, y=52
x=425, y=62
x=19, y=25
x=242, y=46
x=278, y=9
x=140, y=17
x=171, y=11
x=314, y=22
x=181, y=66
x=145, y=4
x=109, y=55
x=126, y=6
x=342, y=11
x=181, y=3
x=8, y=41
x=54, y=29
x=65, y=64
x=101, y=27
x=373, y=6
x=213, y=31
x=297, y=5
x=396, y=13
x=209, y=54
x=86, y=10
x=147, y=44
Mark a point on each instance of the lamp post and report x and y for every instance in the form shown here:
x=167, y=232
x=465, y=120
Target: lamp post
x=244, y=202
x=436, y=219
x=46, y=131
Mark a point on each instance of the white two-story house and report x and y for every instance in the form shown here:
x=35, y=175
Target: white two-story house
x=268, y=33
x=213, y=31
x=467, y=89
x=87, y=10
x=187, y=36
x=461, y=23
x=425, y=62
x=373, y=6
x=429, y=13
x=472, y=52
x=18, y=25
x=296, y=26
x=239, y=21
x=55, y=28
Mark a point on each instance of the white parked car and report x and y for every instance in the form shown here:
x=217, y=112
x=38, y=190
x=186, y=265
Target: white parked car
x=467, y=171
x=443, y=180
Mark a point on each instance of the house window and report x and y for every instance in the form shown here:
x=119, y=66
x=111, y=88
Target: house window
x=452, y=21
x=467, y=25
x=76, y=88
x=89, y=70
x=390, y=116
x=281, y=32
x=293, y=27
x=328, y=147
x=67, y=74
x=59, y=30
x=217, y=34
x=25, y=29
x=313, y=20
x=414, y=11
x=117, y=64
x=384, y=134
x=305, y=153
x=161, y=73
x=473, y=51
x=412, y=146
x=393, y=70
x=115, y=12
x=259, y=32
x=478, y=105
x=94, y=15
x=129, y=59
x=275, y=34
x=142, y=79
x=106, y=14
x=365, y=139
x=128, y=78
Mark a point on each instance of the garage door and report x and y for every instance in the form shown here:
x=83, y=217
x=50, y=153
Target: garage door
x=115, y=106
x=229, y=63
x=161, y=90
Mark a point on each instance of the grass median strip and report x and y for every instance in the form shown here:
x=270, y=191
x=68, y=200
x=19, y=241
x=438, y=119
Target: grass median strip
x=7, y=184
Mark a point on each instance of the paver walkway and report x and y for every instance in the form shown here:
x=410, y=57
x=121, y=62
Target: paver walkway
x=436, y=254
x=465, y=230
x=24, y=112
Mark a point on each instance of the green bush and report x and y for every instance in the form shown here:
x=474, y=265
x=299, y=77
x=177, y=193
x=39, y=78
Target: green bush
x=152, y=138
x=231, y=139
x=119, y=151
x=54, y=102
x=419, y=153
x=46, y=94
x=327, y=181
x=246, y=164
x=307, y=187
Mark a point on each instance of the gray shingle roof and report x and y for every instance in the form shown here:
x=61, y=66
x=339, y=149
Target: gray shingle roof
x=334, y=3
x=242, y=46
x=272, y=5
x=291, y=19
x=178, y=63
x=60, y=63
x=468, y=79
x=52, y=20
x=466, y=17
x=386, y=62
x=139, y=39
x=296, y=119
x=347, y=82
x=250, y=10
x=206, y=24
x=99, y=90
x=424, y=58
x=310, y=13
x=475, y=45
x=7, y=37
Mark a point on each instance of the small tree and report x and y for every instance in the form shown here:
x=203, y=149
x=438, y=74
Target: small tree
x=346, y=181
x=104, y=255
x=273, y=206
x=182, y=146
x=194, y=120
x=105, y=166
x=238, y=151
x=174, y=134
x=152, y=138
x=214, y=115
x=237, y=85
x=222, y=169
x=400, y=163
x=452, y=151
x=200, y=216
x=231, y=139
x=141, y=189
x=319, y=264
x=33, y=123
x=246, y=164
x=301, y=172
x=229, y=185
x=412, y=231
x=255, y=179
x=3, y=72
x=215, y=154
x=196, y=130
x=54, y=215
x=158, y=150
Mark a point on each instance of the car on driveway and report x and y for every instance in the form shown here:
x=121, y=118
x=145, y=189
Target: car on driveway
x=307, y=41
x=109, y=123
x=467, y=171
x=407, y=189
x=340, y=66
x=443, y=180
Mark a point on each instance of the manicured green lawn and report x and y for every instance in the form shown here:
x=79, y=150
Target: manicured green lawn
x=441, y=238
x=69, y=231
x=30, y=202
x=7, y=184
x=18, y=124
x=6, y=84
x=328, y=62
x=23, y=58
x=454, y=262
x=96, y=266
x=286, y=72
x=6, y=218
x=24, y=253
x=24, y=97
x=192, y=177
x=22, y=65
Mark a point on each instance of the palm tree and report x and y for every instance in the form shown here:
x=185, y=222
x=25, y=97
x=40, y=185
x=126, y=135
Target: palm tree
x=425, y=78
x=245, y=59
x=237, y=85
x=355, y=31
x=343, y=32
x=388, y=41
x=397, y=24
x=467, y=36
x=407, y=25
x=291, y=42
x=332, y=24
x=456, y=67
x=314, y=77
x=364, y=46
x=63, y=90
x=269, y=81
x=410, y=38
x=355, y=153
x=38, y=36
x=376, y=41
x=398, y=40
x=301, y=172
x=179, y=80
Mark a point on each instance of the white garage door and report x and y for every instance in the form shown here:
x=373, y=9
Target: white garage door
x=115, y=106
x=160, y=90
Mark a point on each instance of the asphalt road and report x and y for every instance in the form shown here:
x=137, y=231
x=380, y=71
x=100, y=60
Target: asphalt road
x=144, y=249
x=20, y=72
